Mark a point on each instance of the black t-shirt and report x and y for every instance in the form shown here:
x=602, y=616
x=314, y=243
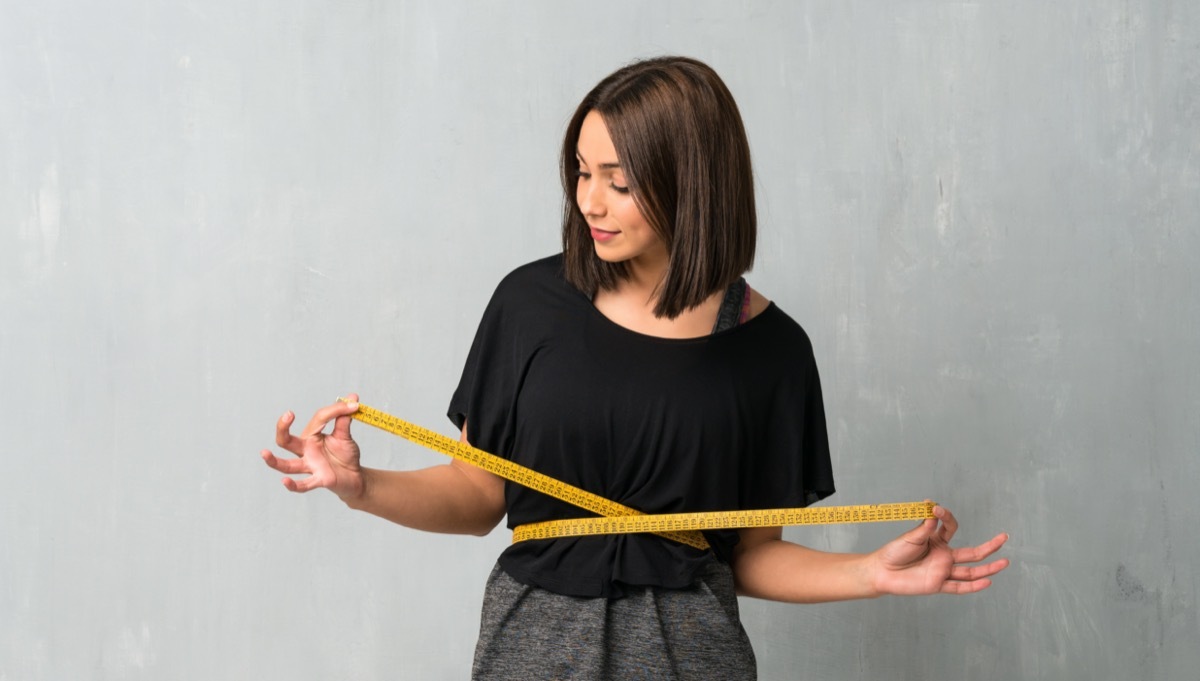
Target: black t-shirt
x=728, y=421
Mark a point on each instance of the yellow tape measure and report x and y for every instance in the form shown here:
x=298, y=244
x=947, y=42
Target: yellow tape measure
x=510, y=470
x=717, y=520
x=621, y=519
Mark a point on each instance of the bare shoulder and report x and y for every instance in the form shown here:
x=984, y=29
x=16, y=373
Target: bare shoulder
x=758, y=303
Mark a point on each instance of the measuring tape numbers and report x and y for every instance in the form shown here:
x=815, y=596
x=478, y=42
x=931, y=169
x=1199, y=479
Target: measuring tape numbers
x=620, y=519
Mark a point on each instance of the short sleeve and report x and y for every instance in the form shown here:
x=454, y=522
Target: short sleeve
x=488, y=387
x=791, y=465
x=818, y=469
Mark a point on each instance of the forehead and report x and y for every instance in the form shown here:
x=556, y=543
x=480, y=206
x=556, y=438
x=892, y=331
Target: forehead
x=594, y=144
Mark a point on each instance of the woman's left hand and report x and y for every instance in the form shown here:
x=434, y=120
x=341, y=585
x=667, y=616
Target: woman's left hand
x=921, y=561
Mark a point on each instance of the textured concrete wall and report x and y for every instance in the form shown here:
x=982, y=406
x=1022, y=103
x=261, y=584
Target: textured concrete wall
x=985, y=215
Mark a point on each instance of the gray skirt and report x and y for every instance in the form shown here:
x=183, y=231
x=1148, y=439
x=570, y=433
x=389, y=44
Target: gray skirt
x=690, y=634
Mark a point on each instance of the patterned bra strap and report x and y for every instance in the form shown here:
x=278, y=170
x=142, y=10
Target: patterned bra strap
x=734, y=307
x=745, y=316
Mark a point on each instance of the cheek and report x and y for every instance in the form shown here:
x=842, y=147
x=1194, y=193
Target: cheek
x=631, y=215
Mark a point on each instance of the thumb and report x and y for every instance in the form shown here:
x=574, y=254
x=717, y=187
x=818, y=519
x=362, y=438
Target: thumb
x=341, y=425
x=908, y=548
x=920, y=534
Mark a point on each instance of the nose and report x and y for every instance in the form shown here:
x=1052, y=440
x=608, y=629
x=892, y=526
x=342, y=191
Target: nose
x=590, y=197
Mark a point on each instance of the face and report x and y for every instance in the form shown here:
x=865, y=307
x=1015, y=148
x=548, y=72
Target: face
x=619, y=231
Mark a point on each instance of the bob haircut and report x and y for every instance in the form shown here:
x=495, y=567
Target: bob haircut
x=682, y=146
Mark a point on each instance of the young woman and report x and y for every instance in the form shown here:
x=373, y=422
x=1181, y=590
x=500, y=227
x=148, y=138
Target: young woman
x=638, y=365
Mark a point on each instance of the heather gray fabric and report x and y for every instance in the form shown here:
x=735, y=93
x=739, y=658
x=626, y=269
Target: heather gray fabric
x=661, y=634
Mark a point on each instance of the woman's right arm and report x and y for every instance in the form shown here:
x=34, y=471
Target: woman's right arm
x=454, y=498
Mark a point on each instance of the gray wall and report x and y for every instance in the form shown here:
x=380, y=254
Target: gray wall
x=985, y=214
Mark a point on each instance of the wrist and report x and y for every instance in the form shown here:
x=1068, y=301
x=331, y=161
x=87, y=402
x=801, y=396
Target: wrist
x=357, y=500
x=873, y=574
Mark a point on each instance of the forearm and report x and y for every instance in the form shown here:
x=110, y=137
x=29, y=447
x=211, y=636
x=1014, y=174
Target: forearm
x=779, y=570
x=437, y=499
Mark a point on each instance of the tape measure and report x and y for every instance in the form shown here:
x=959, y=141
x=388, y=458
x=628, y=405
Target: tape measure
x=717, y=520
x=620, y=519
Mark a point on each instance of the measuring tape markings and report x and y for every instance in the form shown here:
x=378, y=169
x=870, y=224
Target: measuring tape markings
x=621, y=519
x=713, y=520
x=510, y=470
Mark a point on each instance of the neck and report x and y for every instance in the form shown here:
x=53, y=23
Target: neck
x=632, y=305
x=646, y=275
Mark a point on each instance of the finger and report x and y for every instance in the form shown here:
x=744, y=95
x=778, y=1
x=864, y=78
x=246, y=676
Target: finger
x=921, y=533
x=304, y=484
x=289, y=466
x=341, y=425
x=974, y=554
x=326, y=414
x=963, y=573
x=284, y=437
x=949, y=523
x=959, y=588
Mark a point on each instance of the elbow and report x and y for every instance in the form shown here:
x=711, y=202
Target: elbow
x=485, y=526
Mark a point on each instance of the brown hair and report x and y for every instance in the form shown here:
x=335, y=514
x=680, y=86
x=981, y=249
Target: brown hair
x=680, y=140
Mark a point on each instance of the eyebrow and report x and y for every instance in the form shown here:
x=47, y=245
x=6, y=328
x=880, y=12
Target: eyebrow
x=603, y=166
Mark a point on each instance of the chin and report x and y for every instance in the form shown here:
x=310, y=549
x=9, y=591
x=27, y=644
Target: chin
x=609, y=256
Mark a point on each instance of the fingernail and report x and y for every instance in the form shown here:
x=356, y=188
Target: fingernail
x=352, y=405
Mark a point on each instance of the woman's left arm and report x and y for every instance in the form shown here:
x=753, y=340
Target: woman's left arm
x=920, y=561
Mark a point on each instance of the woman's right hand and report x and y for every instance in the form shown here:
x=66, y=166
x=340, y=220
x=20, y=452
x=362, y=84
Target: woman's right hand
x=329, y=461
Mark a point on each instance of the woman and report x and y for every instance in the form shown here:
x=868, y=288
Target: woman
x=638, y=365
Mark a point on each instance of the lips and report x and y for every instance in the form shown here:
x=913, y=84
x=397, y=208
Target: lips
x=602, y=234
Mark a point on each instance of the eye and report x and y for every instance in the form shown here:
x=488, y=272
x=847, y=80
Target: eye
x=619, y=189
x=583, y=175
